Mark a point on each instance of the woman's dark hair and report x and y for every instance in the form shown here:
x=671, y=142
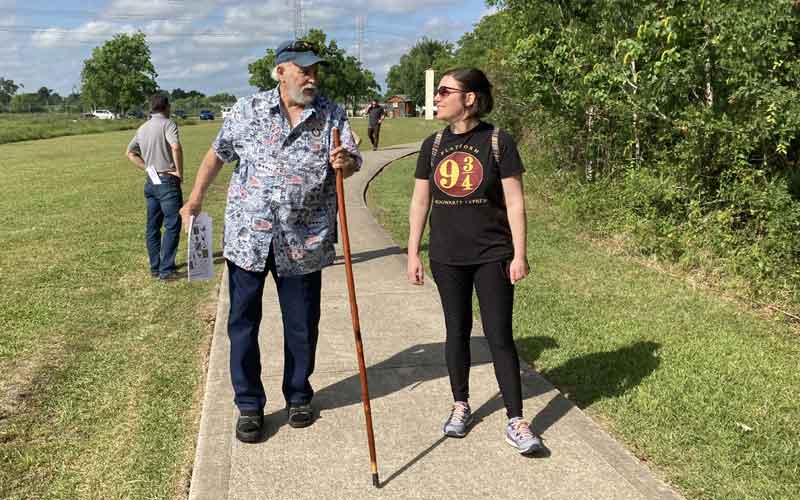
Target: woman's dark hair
x=474, y=80
x=159, y=103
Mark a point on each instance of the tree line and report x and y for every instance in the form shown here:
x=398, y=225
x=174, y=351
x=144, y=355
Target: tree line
x=675, y=122
x=42, y=100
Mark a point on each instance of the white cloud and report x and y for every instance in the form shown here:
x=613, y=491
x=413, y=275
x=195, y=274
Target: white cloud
x=194, y=71
x=397, y=6
x=90, y=32
x=160, y=9
x=163, y=31
x=203, y=69
x=443, y=28
x=259, y=16
x=489, y=11
x=244, y=61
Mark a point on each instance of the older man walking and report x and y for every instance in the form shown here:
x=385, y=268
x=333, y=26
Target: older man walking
x=157, y=146
x=280, y=219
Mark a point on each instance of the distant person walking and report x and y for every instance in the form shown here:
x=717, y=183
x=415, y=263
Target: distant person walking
x=375, y=115
x=157, y=145
x=473, y=173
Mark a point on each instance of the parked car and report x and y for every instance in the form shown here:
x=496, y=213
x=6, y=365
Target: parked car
x=103, y=114
x=179, y=113
x=135, y=114
x=206, y=115
x=226, y=111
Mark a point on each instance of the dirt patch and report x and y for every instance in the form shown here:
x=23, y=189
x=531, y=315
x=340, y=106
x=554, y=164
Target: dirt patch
x=25, y=376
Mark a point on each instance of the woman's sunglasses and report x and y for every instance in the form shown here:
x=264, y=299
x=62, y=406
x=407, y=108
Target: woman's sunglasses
x=446, y=91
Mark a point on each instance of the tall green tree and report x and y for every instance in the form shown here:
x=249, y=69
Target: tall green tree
x=119, y=74
x=7, y=90
x=261, y=71
x=408, y=76
x=44, y=94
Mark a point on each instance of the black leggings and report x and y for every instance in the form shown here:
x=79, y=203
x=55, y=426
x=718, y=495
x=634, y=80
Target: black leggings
x=496, y=300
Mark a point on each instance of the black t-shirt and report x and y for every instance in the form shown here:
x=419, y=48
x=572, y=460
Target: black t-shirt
x=469, y=222
x=375, y=113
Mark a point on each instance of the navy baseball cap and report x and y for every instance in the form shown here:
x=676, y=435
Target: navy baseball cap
x=300, y=52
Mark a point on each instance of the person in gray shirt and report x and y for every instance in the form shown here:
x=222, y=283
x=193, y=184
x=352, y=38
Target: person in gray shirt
x=157, y=147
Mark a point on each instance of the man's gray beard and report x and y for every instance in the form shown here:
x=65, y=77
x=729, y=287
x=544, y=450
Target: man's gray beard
x=297, y=95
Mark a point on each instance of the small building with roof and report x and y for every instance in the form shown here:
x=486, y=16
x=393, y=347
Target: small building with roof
x=399, y=106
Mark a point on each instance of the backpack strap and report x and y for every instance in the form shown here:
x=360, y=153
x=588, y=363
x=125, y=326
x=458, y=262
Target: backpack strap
x=435, y=148
x=496, y=144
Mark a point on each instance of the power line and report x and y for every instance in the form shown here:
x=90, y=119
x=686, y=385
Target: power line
x=68, y=31
x=102, y=16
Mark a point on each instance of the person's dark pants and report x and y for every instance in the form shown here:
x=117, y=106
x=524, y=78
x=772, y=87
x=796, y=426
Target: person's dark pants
x=374, y=133
x=496, y=301
x=299, y=298
x=163, y=203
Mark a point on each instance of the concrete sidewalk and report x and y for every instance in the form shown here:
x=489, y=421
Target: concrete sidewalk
x=403, y=333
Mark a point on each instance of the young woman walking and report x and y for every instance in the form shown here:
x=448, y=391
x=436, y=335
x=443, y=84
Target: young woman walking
x=469, y=177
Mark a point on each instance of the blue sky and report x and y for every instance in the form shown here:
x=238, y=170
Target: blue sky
x=206, y=44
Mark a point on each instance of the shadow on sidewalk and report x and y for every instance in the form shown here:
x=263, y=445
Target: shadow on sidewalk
x=582, y=380
x=410, y=369
x=603, y=375
x=369, y=255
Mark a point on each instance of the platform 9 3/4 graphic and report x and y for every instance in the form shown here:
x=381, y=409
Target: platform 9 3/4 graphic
x=459, y=174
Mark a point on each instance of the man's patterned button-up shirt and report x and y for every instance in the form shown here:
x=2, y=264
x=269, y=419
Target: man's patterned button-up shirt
x=283, y=190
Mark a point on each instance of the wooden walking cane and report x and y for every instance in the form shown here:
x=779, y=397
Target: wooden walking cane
x=351, y=291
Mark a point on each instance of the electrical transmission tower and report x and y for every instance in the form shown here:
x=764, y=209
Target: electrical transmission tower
x=299, y=21
x=360, y=21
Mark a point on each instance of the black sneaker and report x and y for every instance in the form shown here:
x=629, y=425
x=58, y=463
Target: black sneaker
x=300, y=415
x=250, y=426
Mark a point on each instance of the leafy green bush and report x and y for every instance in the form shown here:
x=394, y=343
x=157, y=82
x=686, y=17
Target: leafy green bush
x=676, y=123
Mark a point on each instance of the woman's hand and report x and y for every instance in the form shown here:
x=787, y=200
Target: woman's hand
x=518, y=269
x=414, y=270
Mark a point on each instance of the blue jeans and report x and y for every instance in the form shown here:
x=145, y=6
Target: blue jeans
x=299, y=298
x=163, y=203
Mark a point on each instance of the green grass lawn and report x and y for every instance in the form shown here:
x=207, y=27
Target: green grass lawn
x=103, y=366
x=27, y=127
x=702, y=389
